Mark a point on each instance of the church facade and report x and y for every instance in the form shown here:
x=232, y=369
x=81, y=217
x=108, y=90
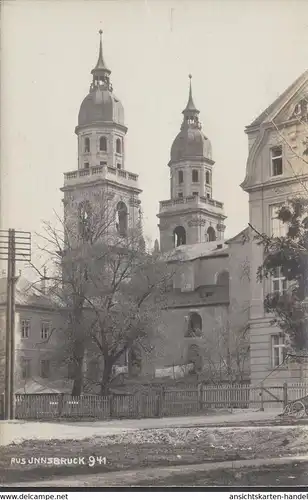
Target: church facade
x=213, y=324
x=205, y=321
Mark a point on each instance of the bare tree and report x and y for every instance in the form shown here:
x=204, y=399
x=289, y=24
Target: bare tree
x=110, y=290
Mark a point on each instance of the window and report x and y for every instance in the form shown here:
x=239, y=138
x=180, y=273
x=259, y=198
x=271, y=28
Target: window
x=45, y=368
x=87, y=145
x=119, y=146
x=122, y=222
x=207, y=177
x=45, y=330
x=103, y=163
x=180, y=195
x=222, y=278
x=194, y=325
x=208, y=195
x=195, y=176
x=279, y=282
x=25, y=368
x=102, y=144
x=180, y=176
x=211, y=234
x=25, y=328
x=85, y=226
x=119, y=166
x=195, y=193
x=278, y=350
x=278, y=228
x=179, y=235
x=86, y=165
x=276, y=158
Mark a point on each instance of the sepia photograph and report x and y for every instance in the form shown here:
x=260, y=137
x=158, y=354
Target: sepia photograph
x=154, y=247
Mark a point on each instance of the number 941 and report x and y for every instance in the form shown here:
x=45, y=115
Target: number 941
x=97, y=460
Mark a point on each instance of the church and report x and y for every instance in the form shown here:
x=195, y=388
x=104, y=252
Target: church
x=214, y=321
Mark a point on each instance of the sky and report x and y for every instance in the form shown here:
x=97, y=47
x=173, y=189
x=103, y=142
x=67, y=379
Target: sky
x=241, y=53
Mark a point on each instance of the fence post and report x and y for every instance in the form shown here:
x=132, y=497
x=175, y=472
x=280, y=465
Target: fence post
x=200, y=396
x=262, y=397
x=60, y=404
x=160, y=402
x=285, y=394
x=2, y=406
x=111, y=401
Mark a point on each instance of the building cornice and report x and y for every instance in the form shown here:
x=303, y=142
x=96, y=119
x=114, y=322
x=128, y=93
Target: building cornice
x=100, y=124
x=99, y=183
x=191, y=159
x=284, y=181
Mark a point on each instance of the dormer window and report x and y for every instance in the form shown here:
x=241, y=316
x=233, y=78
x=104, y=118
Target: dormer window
x=276, y=161
x=181, y=176
x=195, y=176
x=103, y=144
x=87, y=145
x=119, y=146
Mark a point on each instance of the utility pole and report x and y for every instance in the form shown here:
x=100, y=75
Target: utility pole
x=14, y=246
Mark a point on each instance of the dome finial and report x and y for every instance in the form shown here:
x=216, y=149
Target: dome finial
x=190, y=104
x=100, y=65
x=101, y=73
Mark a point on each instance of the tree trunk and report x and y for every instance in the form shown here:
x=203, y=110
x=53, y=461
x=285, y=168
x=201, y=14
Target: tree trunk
x=106, y=377
x=78, y=356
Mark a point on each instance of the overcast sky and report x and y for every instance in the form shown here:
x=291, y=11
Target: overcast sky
x=242, y=55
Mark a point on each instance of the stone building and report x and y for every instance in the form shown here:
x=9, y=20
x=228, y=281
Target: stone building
x=191, y=215
x=205, y=321
x=101, y=180
x=275, y=171
x=38, y=325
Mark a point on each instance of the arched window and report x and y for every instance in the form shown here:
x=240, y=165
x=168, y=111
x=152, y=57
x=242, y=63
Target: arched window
x=222, y=278
x=195, y=176
x=194, y=357
x=118, y=146
x=207, y=177
x=122, y=218
x=85, y=229
x=181, y=177
x=87, y=145
x=211, y=234
x=179, y=235
x=194, y=325
x=102, y=143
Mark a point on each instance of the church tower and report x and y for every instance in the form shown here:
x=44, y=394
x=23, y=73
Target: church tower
x=191, y=215
x=101, y=184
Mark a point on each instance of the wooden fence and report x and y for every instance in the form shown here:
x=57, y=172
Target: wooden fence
x=157, y=402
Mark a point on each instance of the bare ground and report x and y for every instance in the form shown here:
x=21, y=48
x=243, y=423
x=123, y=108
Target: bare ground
x=152, y=448
x=291, y=475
